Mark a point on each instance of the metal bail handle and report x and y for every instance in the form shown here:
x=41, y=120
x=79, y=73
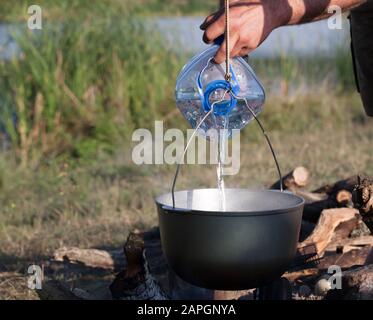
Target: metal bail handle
x=199, y=125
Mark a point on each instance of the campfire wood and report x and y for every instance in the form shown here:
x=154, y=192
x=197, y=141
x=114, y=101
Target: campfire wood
x=349, y=247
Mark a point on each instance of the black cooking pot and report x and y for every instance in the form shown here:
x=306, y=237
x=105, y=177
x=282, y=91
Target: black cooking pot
x=249, y=244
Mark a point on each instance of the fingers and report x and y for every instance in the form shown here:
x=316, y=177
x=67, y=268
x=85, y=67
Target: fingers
x=214, y=29
x=235, y=51
x=220, y=54
x=210, y=19
x=238, y=49
x=207, y=22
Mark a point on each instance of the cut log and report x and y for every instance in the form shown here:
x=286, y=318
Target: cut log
x=345, y=229
x=345, y=260
x=345, y=184
x=355, y=191
x=344, y=197
x=292, y=276
x=324, y=230
x=357, y=284
x=295, y=179
x=344, y=245
x=93, y=258
x=316, y=202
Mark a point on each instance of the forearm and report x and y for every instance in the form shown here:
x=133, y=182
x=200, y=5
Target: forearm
x=251, y=21
x=311, y=10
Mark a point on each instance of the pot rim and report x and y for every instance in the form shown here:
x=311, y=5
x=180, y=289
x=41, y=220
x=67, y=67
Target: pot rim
x=171, y=210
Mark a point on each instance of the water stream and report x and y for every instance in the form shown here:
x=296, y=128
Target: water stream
x=222, y=154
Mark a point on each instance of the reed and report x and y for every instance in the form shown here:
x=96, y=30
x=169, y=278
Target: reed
x=83, y=85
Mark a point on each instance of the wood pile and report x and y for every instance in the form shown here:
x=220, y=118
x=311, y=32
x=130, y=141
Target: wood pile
x=337, y=225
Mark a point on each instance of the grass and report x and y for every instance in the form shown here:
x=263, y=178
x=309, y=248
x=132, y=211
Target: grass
x=16, y=10
x=69, y=105
x=80, y=86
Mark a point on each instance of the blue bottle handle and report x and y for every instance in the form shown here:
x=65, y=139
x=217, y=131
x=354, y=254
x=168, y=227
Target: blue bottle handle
x=222, y=108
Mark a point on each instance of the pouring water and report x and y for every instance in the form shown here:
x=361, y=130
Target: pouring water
x=222, y=144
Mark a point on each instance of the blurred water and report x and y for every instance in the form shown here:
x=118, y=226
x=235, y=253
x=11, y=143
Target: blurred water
x=183, y=34
x=307, y=39
x=8, y=47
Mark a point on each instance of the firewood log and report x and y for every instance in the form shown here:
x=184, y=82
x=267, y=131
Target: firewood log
x=347, y=244
x=93, y=258
x=345, y=184
x=352, y=192
x=355, y=191
x=292, y=276
x=344, y=197
x=324, y=230
x=345, y=259
x=293, y=180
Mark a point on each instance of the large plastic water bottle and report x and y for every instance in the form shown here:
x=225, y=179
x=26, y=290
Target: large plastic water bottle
x=201, y=85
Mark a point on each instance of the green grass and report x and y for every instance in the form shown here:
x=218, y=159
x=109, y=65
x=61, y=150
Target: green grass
x=82, y=86
x=16, y=10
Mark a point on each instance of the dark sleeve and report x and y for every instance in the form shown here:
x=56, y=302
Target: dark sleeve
x=361, y=21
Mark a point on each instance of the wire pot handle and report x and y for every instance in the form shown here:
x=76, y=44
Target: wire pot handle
x=203, y=120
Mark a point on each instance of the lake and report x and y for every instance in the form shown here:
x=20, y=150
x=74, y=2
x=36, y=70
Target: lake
x=304, y=40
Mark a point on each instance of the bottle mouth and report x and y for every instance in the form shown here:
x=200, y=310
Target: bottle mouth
x=218, y=90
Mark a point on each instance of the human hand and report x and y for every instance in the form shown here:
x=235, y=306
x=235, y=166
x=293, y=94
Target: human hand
x=250, y=24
